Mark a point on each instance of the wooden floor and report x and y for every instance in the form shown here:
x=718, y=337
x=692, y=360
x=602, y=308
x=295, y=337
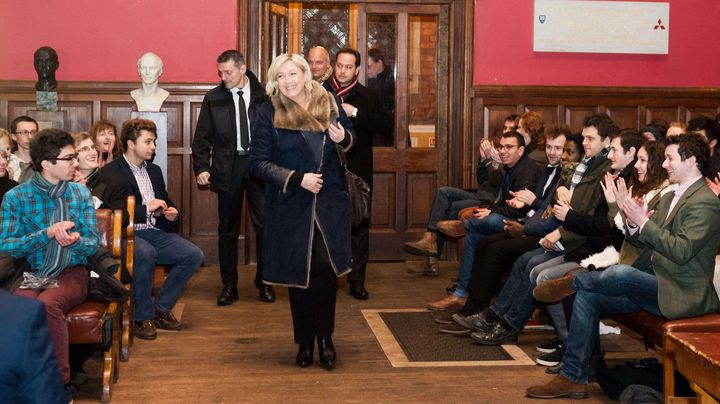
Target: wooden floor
x=245, y=353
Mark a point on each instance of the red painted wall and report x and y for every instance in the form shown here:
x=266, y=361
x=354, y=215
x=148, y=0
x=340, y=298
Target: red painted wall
x=504, y=51
x=101, y=40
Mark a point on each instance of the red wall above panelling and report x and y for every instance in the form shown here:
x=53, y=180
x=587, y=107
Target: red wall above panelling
x=504, y=51
x=101, y=40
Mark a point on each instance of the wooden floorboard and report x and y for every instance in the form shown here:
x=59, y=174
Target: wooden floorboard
x=245, y=353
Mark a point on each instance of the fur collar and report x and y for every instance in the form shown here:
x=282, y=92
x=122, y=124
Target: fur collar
x=290, y=115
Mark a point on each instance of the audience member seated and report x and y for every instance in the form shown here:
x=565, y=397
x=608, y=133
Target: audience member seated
x=519, y=173
x=104, y=194
x=501, y=322
x=155, y=219
x=710, y=130
x=6, y=183
x=449, y=201
x=671, y=278
x=104, y=135
x=495, y=254
x=50, y=221
x=676, y=128
x=532, y=127
x=22, y=128
x=28, y=369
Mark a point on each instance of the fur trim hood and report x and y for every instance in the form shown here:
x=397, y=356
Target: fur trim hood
x=322, y=109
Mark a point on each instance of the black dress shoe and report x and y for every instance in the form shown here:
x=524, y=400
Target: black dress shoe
x=328, y=357
x=496, y=336
x=267, y=293
x=304, y=356
x=227, y=296
x=357, y=290
x=165, y=320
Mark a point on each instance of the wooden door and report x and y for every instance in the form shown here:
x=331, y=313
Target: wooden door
x=408, y=171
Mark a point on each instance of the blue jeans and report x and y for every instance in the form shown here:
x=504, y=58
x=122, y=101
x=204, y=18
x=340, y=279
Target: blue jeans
x=448, y=202
x=475, y=229
x=157, y=247
x=515, y=302
x=618, y=289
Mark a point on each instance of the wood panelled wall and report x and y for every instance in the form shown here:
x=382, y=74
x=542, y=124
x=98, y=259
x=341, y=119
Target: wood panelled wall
x=629, y=108
x=88, y=102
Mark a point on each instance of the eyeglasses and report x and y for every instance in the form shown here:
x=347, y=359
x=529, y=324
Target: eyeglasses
x=507, y=147
x=27, y=132
x=72, y=157
x=86, y=149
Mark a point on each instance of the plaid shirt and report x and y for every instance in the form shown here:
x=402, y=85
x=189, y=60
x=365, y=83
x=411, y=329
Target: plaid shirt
x=146, y=191
x=27, y=213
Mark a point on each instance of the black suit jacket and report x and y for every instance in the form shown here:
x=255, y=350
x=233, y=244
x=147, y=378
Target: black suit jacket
x=215, y=141
x=118, y=172
x=371, y=119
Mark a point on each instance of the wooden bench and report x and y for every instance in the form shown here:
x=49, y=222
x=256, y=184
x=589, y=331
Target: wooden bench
x=693, y=349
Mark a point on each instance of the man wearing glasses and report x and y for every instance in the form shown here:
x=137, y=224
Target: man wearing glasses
x=22, y=128
x=518, y=172
x=50, y=221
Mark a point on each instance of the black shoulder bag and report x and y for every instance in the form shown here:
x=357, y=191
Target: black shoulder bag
x=359, y=192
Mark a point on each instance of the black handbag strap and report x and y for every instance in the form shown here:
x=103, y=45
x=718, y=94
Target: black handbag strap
x=341, y=156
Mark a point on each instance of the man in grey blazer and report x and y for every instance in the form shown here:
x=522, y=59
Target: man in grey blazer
x=671, y=278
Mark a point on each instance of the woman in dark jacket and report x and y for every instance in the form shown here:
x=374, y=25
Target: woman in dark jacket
x=307, y=208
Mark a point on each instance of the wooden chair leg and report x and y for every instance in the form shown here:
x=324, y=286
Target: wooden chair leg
x=127, y=327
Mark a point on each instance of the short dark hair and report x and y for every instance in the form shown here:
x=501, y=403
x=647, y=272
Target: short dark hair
x=376, y=55
x=516, y=135
x=661, y=125
x=556, y=131
x=232, y=54
x=21, y=118
x=631, y=138
x=602, y=123
x=47, y=145
x=577, y=142
x=711, y=127
x=131, y=130
x=350, y=51
x=692, y=144
x=654, y=131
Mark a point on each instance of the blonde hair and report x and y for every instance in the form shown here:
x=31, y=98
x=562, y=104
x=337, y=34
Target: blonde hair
x=680, y=125
x=272, y=86
x=80, y=136
x=5, y=134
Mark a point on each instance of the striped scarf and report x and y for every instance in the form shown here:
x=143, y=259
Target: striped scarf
x=56, y=258
x=341, y=91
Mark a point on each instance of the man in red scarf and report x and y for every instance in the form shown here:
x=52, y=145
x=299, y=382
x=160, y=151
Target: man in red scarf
x=362, y=106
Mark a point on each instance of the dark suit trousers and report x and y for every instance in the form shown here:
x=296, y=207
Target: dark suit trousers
x=360, y=239
x=494, y=256
x=230, y=203
x=313, y=309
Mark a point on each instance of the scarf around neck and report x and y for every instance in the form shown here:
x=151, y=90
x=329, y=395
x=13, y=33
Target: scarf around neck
x=341, y=91
x=56, y=258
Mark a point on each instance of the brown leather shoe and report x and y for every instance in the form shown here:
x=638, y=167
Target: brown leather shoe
x=451, y=228
x=556, y=289
x=145, y=329
x=165, y=320
x=558, y=387
x=448, y=303
x=427, y=245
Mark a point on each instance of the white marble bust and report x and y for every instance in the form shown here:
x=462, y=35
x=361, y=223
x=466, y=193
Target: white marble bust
x=150, y=97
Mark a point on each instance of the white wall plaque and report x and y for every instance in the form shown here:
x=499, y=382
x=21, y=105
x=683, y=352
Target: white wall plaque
x=601, y=26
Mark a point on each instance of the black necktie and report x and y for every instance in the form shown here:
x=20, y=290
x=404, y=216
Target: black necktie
x=244, y=138
x=549, y=170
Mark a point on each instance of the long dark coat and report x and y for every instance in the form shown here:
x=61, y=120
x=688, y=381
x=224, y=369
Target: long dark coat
x=282, y=152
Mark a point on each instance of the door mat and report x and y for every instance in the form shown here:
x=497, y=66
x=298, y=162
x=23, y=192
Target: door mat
x=410, y=338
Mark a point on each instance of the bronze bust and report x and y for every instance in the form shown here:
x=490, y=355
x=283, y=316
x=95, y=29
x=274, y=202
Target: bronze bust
x=46, y=63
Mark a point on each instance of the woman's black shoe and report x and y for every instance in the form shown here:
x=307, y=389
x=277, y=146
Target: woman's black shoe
x=327, y=353
x=304, y=356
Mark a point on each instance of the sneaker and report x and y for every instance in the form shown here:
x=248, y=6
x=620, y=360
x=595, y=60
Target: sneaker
x=454, y=329
x=165, y=320
x=445, y=318
x=145, y=329
x=553, y=370
x=549, y=345
x=467, y=321
x=551, y=358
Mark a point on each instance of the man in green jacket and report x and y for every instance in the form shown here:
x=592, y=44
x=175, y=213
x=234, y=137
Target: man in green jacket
x=675, y=272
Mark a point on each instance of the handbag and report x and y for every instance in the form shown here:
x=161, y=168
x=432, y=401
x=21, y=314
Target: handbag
x=359, y=192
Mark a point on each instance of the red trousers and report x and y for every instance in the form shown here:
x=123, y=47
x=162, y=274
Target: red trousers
x=71, y=291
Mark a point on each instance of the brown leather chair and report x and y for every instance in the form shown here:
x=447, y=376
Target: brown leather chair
x=93, y=322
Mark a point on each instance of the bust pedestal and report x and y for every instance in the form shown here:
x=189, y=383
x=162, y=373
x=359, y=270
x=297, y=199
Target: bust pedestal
x=161, y=121
x=49, y=119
